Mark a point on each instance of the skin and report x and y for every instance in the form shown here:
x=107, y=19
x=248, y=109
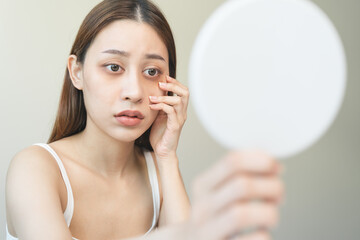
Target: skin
x=108, y=173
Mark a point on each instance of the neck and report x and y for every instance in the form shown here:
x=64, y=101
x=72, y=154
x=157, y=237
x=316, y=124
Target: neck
x=104, y=154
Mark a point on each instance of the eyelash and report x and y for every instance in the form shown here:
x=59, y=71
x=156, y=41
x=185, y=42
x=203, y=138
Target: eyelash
x=111, y=64
x=158, y=71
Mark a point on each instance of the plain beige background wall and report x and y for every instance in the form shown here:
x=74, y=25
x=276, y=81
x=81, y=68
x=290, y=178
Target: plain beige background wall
x=322, y=183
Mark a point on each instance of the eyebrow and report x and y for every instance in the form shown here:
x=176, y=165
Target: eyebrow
x=126, y=54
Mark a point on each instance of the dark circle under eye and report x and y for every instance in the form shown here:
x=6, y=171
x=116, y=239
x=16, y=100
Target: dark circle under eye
x=152, y=72
x=114, y=67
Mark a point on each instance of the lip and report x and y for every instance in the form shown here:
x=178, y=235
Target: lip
x=129, y=117
x=130, y=113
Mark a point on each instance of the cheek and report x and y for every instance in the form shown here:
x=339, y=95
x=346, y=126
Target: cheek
x=96, y=93
x=96, y=86
x=153, y=89
x=96, y=96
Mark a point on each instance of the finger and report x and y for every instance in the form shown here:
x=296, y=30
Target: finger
x=241, y=217
x=172, y=123
x=174, y=101
x=173, y=80
x=241, y=188
x=253, y=161
x=234, y=163
x=176, y=82
x=250, y=188
x=258, y=235
x=184, y=96
x=170, y=100
x=175, y=88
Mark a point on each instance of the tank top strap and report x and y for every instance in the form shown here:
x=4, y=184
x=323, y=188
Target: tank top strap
x=70, y=198
x=154, y=186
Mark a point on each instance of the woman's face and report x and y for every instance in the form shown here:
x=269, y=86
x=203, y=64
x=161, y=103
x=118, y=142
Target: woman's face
x=122, y=68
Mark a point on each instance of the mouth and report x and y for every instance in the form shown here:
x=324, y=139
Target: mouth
x=129, y=118
x=130, y=114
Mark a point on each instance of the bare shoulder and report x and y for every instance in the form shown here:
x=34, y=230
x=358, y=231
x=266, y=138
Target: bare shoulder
x=32, y=169
x=32, y=193
x=31, y=161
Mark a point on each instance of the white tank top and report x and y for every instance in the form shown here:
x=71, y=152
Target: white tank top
x=70, y=199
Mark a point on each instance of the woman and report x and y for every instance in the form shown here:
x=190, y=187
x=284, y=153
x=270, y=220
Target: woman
x=110, y=169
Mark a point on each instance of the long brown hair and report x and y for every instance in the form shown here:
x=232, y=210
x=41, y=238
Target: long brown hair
x=71, y=115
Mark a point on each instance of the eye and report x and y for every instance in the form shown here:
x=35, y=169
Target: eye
x=152, y=72
x=113, y=67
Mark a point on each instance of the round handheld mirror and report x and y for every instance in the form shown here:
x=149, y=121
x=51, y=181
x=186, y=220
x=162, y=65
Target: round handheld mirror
x=267, y=74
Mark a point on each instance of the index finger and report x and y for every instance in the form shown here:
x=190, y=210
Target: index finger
x=245, y=162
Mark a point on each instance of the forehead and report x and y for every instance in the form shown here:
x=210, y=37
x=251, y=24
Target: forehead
x=130, y=36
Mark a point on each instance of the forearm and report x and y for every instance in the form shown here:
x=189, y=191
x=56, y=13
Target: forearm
x=176, y=205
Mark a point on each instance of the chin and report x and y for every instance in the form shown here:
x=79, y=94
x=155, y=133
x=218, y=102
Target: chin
x=127, y=135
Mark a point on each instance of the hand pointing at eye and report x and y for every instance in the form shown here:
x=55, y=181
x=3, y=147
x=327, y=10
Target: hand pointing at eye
x=165, y=131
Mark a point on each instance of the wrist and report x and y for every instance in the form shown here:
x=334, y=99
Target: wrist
x=168, y=167
x=165, y=153
x=167, y=160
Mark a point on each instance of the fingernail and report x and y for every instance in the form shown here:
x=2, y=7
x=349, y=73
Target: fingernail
x=152, y=97
x=162, y=84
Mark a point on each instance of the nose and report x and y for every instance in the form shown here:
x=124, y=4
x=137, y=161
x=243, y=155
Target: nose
x=131, y=89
